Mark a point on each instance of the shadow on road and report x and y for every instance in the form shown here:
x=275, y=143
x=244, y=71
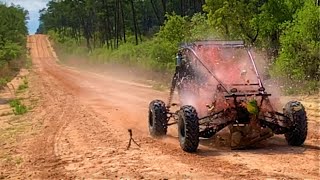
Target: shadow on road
x=273, y=145
x=220, y=144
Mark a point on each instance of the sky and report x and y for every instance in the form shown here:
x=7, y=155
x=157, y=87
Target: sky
x=33, y=7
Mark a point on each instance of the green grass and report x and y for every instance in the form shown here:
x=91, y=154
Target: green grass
x=17, y=127
x=24, y=85
x=18, y=107
x=28, y=64
x=299, y=87
x=159, y=87
x=9, y=140
x=3, y=81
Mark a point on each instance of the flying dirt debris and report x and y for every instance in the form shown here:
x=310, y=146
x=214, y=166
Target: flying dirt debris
x=219, y=86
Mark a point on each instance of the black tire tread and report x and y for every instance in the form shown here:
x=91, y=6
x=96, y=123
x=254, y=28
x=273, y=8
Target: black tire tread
x=159, y=126
x=191, y=139
x=299, y=130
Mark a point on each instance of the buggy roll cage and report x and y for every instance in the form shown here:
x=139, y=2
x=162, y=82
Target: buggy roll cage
x=221, y=43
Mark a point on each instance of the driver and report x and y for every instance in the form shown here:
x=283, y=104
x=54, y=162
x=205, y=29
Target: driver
x=184, y=74
x=180, y=63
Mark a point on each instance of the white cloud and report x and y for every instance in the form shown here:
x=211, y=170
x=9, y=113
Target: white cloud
x=33, y=7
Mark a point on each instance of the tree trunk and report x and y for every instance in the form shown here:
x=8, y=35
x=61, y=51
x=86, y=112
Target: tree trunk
x=123, y=24
x=108, y=23
x=116, y=25
x=181, y=8
x=164, y=6
x=155, y=12
x=134, y=21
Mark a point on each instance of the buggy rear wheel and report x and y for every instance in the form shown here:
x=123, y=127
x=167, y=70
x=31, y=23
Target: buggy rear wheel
x=188, y=128
x=157, y=118
x=295, y=111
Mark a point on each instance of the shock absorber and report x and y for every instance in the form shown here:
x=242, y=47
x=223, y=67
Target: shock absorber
x=173, y=86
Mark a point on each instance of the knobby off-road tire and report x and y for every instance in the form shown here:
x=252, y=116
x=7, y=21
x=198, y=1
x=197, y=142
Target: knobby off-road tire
x=296, y=113
x=157, y=118
x=188, y=128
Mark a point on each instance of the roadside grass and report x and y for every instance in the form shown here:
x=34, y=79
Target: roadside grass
x=16, y=104
x=33, y=102
x=17, y=126
x=290, y=88
x=24, y=85
x=28, y=63
x=159, y=86
x=11, y=160
x=9, y=138
x=13, y=129
x=18, y=107
x=3, y=81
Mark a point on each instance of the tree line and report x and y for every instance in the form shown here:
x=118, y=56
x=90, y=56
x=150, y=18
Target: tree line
x=13, y=34
x=108, y=22
x=287, y=30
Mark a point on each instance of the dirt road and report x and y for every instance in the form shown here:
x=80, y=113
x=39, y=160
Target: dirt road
x=85, y=117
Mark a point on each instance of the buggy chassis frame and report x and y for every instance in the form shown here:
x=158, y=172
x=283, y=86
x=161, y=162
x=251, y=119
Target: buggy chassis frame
x=276, y=121
x=239, y=109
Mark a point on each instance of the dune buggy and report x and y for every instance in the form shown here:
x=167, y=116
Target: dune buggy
x=219, y=86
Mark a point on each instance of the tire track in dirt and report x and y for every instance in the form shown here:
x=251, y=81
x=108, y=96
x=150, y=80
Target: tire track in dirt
x=86, y=116
x=71, y=135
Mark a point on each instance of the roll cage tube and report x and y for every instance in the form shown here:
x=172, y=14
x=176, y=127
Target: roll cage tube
x=218, y=43
x=255, y=69
x=220, y=83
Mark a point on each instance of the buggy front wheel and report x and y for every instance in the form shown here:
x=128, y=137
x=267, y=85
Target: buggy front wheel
x=157, y=118
x=188, y=128
x=295, y=111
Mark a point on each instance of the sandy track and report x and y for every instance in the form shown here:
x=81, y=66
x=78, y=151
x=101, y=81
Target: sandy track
x=86, y=116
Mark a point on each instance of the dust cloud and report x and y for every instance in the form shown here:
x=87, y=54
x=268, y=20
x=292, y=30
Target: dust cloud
x=229, y=65
x=221, y=69
x=117, y=70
